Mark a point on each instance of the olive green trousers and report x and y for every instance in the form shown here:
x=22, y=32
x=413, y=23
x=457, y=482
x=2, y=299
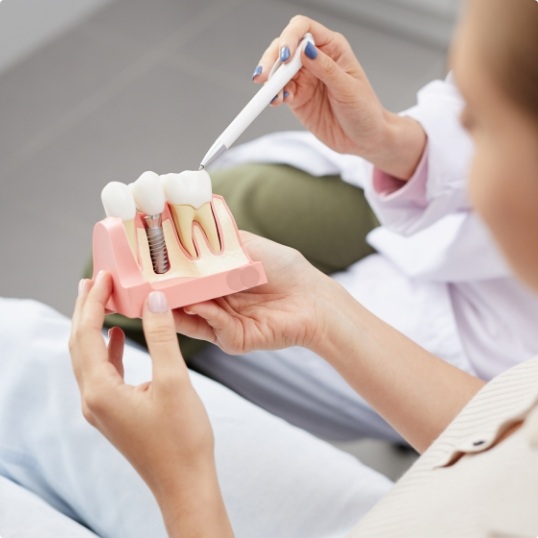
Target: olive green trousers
x=324, y=218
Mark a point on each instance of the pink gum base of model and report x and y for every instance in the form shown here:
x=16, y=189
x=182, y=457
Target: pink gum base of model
x=113, y=253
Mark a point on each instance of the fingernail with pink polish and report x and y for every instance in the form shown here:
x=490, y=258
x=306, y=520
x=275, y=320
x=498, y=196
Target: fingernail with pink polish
x=81, y=285
x=157, y=302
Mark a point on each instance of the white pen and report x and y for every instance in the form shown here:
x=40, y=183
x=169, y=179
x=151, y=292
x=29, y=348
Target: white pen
x=280, y=75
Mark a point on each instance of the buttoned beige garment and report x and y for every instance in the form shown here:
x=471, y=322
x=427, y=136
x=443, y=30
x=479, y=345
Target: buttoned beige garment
x=479, y=478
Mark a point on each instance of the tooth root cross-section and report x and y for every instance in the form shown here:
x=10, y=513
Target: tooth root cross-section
x=184, y=218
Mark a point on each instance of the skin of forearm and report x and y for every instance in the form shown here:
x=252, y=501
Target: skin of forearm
x=192, y=507
x=415, y=391
x=399, y=148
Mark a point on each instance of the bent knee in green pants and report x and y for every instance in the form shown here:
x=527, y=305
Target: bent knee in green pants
x=324, y=218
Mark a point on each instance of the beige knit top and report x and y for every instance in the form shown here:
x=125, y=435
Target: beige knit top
x=472, y=481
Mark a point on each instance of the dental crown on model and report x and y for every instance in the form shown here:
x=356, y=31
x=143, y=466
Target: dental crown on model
x=149, y=198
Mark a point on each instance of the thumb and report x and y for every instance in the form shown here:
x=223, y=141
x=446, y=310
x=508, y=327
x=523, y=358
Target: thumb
x=161, y=337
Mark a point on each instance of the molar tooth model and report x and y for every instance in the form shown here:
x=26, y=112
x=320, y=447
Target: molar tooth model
x=183, y=240
x=189, y=195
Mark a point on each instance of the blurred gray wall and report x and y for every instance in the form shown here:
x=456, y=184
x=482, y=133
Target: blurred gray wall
x=429, y=21
x=26, y=25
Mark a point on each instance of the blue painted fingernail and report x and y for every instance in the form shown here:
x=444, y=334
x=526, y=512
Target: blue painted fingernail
x=284, y=54
x=274, y=98
x=285, y=94
x=257, y=71
x=311, y=51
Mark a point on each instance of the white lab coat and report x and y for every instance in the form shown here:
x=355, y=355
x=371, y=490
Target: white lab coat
x=439, y=276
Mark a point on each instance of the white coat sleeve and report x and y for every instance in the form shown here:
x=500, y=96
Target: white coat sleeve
x=439, y=186
x=429, y=229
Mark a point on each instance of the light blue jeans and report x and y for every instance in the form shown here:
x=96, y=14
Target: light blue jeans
x=277, y=480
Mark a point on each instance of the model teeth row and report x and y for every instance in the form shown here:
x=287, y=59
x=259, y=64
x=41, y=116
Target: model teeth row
x=188, y=194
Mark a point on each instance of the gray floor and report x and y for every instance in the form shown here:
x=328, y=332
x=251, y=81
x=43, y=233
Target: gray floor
x=143, y=86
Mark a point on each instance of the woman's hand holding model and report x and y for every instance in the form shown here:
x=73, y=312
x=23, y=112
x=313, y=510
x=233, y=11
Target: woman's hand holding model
x=332, y=97
x=282, y=313
x=161, y=427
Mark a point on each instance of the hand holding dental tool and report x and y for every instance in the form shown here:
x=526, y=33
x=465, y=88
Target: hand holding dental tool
x=280, y=75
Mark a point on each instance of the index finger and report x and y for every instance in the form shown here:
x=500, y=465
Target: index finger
x=289, y=39
x=86, y=338
x=297, y=28
x=284, y=46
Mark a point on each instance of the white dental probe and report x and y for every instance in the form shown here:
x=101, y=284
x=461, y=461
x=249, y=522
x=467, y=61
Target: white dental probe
x=280, y=75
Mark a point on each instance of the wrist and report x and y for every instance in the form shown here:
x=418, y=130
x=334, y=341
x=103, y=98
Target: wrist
x=191, y=503
x=399, y=147
x=331, y=324
x=346, y=335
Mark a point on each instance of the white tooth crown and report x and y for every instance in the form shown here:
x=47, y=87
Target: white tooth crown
x=148, y=193
x=188, y=188
x=118, y=201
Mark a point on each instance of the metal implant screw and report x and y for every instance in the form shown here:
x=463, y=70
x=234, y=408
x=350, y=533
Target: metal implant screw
x=157, y=244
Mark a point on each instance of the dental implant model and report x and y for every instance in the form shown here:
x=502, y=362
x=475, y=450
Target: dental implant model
x=187, y=247
x=189, y=195
x=118, y=202
x=149, y=199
